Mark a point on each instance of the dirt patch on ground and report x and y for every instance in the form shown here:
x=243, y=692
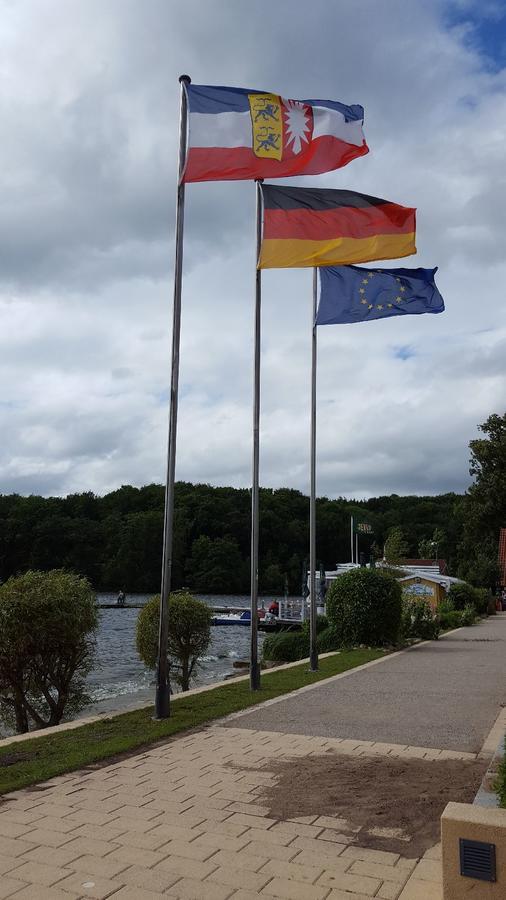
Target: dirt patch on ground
x=386, y=803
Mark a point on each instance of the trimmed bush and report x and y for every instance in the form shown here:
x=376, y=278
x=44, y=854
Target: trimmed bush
x=286, y=646
x=189, y=634
x=461, y=595
x=418, y=618
x=364, y=607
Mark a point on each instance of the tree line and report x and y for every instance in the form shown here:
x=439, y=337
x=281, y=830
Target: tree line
x=116, y=540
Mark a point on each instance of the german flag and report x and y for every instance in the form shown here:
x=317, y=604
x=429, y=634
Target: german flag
x=311, y=227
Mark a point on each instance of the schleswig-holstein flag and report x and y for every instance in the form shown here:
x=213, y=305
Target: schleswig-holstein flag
x=235, y=133
x=353, y=294
x=315, y=227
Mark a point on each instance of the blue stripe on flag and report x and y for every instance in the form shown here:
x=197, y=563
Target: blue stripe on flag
x=203, y=98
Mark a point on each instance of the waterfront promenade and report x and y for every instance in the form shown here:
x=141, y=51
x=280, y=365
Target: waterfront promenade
x=201, y=816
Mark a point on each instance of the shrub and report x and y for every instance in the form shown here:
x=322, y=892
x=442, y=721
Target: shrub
x=450, y=619
x=47, y=625
x=468, y=615
x=482, y=598
x=327, y=641
x=321, y=624
x=286, y=646
x=462, y=594
x=189, y=634
x=418, y=618
x=364, y=607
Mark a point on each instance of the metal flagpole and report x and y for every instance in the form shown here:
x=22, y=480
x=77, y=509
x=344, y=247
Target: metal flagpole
x=357, y=560
x=351, y=537
x=313, y=652
x=162, y=696
x=254, y=670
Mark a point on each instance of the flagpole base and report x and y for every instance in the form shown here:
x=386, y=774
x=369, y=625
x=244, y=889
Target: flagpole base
x=162, y=702
x=254, y=678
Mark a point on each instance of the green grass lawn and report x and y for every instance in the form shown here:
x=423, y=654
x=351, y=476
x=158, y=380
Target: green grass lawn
x=41, y=758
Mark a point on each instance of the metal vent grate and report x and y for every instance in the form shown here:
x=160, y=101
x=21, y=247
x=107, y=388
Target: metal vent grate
x=477, y=860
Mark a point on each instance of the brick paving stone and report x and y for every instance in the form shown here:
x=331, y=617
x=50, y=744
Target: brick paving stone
x=137, y=894
x=38, y=892
x=299, y=830
x=389, y=890
x=256, y=821
x=421, y=890
x=137, y=856
x=283, y=838
x=347, y=882
x=223, y=842
x=308, y=858
x=428, y=870
x=252, y=881
x=226, y=827
x=336, y=894
x=199, y=852
x=375, y=870
x=138, y=876
x=8, y=887
x=377, y=856
x=85, y=846
x=338, y=837
x=325, y=848
x=103, y=833
x=14, y=846
x=186, y=868
x=176, y=833
x=246, y=859
x=47, y=838
x=82, y=884
x=433, y=853
x=294, y=890
x=191, y=889
x=250, y=809
x=39, y=873
x=140, y=841
x=104, y=866
x=53, y=823
x=11, y=829
x=291, y=871
x=20, y=816
x=59, y=856
x=272, y=851
x=9, y=863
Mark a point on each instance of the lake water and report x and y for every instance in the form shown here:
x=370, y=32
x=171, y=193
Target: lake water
x=120, y=678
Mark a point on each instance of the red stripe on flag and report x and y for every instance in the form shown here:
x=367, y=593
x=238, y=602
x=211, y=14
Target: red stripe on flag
x=233, y=163
x=321, y=225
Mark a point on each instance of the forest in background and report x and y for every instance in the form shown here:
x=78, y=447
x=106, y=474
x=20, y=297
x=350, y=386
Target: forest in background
x=116, y=540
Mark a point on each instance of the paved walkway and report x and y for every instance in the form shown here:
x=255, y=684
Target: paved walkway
x=183, y=820
x=444, y=694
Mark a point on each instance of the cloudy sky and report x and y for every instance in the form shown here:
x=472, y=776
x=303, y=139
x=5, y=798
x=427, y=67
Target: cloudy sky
x=90, y=102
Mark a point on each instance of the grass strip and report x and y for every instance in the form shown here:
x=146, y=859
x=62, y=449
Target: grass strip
x=500, y=784
x=37, y=760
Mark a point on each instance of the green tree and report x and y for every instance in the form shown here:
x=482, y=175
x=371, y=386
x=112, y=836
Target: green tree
x=189, y=634
x=47, y=626
x=364, y=607
x=396, y=548
x=216, y=566
x=483, y=511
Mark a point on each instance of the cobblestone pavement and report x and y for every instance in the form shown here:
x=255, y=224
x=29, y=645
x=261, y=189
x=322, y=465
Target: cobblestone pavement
x=183, y=820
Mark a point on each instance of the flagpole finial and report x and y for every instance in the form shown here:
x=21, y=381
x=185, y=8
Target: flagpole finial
x=185, y=78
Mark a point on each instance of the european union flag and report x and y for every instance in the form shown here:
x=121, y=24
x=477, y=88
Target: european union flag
x=355, y=294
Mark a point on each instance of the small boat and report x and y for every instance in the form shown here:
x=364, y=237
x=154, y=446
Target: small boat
x=233, y=619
